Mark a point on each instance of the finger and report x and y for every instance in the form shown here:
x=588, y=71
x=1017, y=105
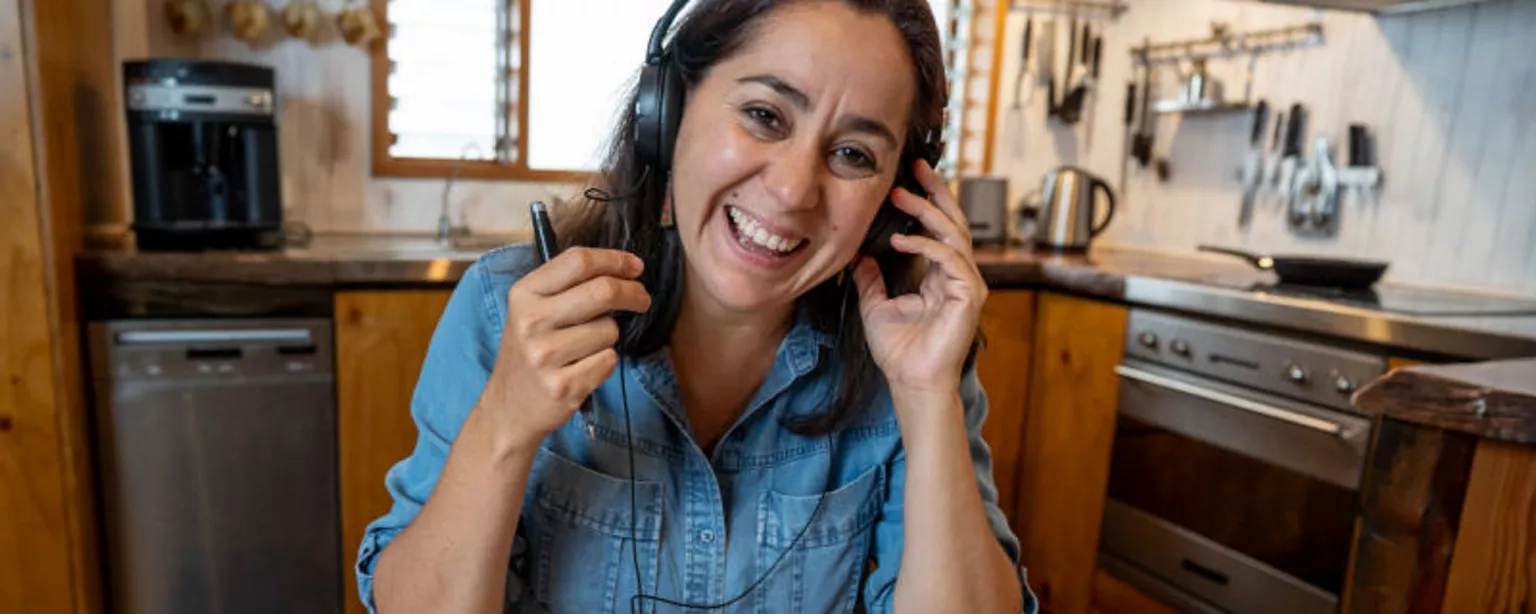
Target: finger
x=590, y=372
x=564, y=346
x=592, y=298
x=932, y=218
x=577, y=265
x=947, y=257
x=939, y=193
x=871, y=285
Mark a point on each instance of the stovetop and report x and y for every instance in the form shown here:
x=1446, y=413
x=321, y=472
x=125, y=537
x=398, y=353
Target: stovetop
x=1398, y=299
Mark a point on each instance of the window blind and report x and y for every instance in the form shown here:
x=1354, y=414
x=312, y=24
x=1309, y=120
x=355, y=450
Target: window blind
x=453, y=79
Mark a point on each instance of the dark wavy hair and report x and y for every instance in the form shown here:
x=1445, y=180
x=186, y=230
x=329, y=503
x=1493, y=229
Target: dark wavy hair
x=630, y=196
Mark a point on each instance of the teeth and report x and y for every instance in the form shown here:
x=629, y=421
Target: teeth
x=750, y=229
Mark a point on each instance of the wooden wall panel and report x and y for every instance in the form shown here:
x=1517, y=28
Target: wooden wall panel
x=1494, y=567
x=381, y=341
x=35, y=546
x=1451, y=95
x=1008, y=321
x=1070, y=432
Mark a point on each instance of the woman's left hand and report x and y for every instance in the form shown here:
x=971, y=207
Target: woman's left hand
x=920, y=340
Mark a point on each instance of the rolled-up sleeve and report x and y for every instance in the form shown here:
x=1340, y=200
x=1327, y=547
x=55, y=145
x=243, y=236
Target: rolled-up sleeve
x=457, y=365
x=880, y=586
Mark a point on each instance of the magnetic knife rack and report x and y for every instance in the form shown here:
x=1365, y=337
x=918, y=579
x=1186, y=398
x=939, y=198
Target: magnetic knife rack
x=1225, y=44
x=1088, y=9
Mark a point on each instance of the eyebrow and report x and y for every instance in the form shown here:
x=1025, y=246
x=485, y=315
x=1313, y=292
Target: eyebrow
x=856, y=123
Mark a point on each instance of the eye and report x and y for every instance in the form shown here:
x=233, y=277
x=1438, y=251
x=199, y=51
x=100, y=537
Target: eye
x=764, y=118
x=854, y=157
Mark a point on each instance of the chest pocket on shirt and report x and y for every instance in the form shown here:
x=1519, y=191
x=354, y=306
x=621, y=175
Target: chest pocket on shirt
x=580, y=540
x=823, y=571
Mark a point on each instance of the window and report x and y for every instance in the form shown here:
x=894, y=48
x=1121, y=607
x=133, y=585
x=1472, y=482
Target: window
x=516, y=89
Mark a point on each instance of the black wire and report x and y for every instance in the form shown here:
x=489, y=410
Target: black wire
x=636, y=600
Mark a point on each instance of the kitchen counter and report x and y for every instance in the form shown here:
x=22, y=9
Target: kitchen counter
x=301, y=279
x=1492, y=400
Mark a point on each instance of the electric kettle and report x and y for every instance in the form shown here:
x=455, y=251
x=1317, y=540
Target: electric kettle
x=1064, y=220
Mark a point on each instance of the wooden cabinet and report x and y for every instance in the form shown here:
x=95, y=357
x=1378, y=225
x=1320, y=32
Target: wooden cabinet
x=381, y=341
x=1069, y=434
x=1111, y=595
x=1008, y=325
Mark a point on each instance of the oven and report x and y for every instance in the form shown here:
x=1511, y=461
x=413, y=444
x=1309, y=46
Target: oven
x=1236, y=466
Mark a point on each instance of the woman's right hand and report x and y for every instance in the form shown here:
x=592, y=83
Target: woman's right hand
x=558, y=344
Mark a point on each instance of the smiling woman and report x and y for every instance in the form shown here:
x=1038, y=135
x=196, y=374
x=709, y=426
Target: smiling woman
x=767, y=317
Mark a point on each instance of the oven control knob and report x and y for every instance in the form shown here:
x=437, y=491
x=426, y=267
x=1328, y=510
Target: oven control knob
x=1148, y=339
x=1296, y=373
x=1342, y=383
x=1180, y=347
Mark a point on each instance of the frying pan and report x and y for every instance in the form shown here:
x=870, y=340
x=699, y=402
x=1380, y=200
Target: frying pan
x=1312, y=271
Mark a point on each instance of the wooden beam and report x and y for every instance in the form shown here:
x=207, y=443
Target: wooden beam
x=1494, y=568
x=1411, y=504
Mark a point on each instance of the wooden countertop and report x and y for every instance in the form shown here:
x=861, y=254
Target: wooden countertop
x=1493, y=400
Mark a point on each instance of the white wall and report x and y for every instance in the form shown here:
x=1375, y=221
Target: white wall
x=1451, y=96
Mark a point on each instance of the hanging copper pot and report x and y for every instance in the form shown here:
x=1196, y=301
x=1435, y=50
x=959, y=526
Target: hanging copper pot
x=301, y=18
x=248, y=19
x=187, y=17
x=357, y=25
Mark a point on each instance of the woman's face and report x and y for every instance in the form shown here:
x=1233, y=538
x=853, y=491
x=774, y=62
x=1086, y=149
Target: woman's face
x=787, y=150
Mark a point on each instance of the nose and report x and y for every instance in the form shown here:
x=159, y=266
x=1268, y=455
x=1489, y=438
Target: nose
x=793, y=177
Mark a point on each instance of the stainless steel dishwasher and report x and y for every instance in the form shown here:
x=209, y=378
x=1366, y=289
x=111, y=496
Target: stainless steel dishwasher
x=217, y=455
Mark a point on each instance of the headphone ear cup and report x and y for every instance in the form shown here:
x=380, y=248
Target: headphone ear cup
x=658, y=111
x=888, y=221
x=647, y=112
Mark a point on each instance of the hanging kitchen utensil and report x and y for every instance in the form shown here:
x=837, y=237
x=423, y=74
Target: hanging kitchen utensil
x=1015, y=129
x=248, y=19
x=1092, y=95
x=1125, y=139
x=1045, y=62
x=301, y=18
x=1312, y=271
x=1251, y=164
x=1141, y=144
x=187, y=17
x=1272, y=165
x=1295, y=129
x=358, y=25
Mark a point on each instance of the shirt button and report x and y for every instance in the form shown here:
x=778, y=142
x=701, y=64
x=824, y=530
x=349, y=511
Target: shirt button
x=706, y=536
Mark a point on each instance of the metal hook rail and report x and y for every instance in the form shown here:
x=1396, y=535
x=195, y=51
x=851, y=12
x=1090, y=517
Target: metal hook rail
x=1223, y=44
x=1083, y=8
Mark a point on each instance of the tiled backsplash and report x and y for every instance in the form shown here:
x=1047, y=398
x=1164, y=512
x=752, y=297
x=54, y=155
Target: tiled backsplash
x=1450, y=94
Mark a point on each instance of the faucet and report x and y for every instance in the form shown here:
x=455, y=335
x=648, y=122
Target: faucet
x=446, y=231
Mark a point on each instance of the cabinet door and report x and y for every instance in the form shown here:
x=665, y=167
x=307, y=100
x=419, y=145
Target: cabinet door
x=381, y=341
x=1070, y=431
x=1008, y=324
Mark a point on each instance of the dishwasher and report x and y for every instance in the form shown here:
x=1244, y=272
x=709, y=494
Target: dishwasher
x=216, y=446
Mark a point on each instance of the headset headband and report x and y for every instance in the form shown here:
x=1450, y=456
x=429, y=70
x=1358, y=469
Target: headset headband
x=653, y=51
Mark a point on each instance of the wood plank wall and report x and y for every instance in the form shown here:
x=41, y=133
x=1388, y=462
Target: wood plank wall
x=1451, y=95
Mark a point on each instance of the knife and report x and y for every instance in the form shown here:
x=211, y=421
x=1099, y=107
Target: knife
x=1272, y=165
x=1294, y=128
x=1093, y=88
x=1251, y=165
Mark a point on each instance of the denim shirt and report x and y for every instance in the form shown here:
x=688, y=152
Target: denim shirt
x=703, y=528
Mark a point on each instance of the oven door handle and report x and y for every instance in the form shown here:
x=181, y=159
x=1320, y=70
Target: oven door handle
x=1285, y=415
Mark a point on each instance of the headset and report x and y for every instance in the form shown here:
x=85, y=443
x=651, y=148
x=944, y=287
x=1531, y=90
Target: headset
x=658, y=111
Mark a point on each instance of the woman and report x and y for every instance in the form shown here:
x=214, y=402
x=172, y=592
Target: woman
x=782, y=435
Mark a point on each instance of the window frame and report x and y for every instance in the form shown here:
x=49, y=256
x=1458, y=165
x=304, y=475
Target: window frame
x=385, y=165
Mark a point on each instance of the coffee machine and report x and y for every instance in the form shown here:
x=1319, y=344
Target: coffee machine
x=202, y=139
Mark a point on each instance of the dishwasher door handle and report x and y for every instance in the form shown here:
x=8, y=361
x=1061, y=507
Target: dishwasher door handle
x=1248, y=405
x=214, y=335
